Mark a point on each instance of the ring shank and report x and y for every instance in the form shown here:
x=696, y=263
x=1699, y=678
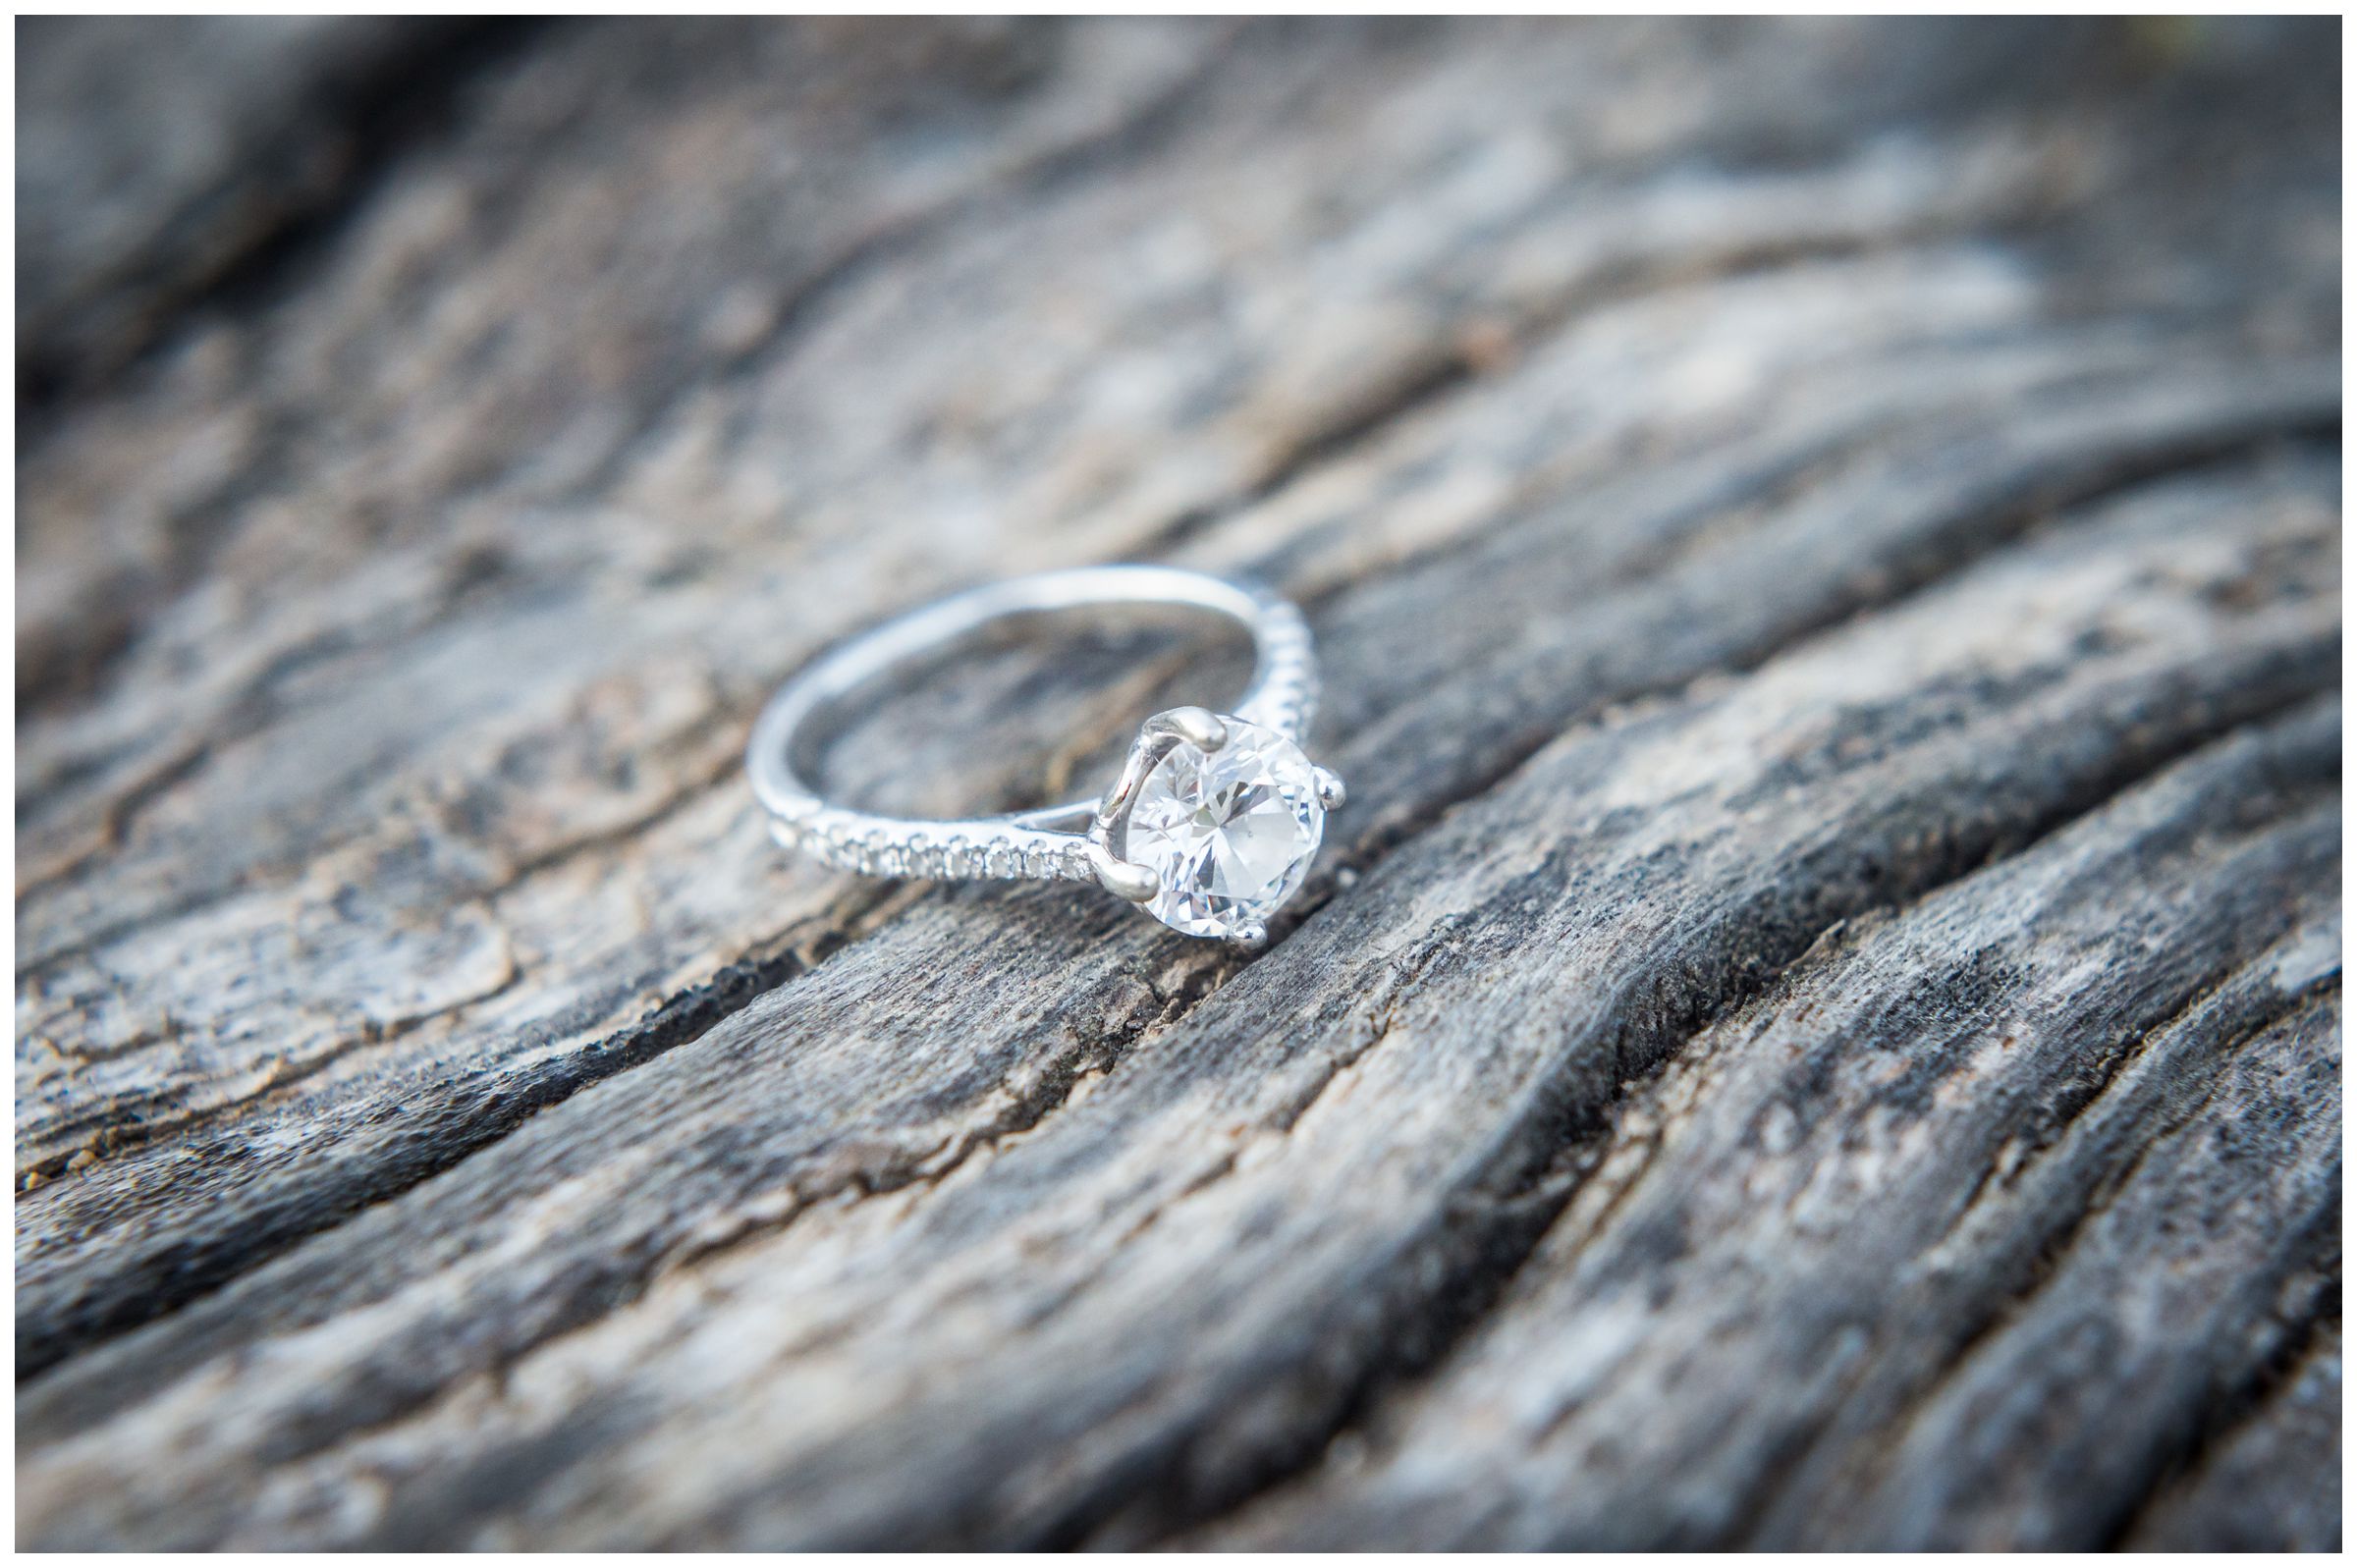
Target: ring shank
x=1282, y=696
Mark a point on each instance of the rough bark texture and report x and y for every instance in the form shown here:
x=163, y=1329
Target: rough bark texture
x=1820, y=1025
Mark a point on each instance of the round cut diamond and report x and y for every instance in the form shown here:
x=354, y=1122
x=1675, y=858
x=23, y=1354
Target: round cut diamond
x=1228, y=832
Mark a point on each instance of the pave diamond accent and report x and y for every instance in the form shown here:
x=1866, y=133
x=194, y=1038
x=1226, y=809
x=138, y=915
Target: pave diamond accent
x=1230, y=833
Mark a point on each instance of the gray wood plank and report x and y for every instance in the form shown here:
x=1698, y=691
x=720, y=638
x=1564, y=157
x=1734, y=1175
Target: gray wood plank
x=1819, y=1026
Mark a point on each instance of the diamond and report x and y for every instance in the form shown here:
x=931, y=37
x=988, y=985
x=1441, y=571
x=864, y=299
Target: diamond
x=1228, y=832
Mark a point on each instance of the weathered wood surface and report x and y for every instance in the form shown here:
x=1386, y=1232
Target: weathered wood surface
x=164, y=159
x=1820, y=1025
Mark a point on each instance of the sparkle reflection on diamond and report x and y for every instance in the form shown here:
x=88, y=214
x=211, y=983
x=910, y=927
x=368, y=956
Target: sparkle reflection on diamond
x=1230, y=833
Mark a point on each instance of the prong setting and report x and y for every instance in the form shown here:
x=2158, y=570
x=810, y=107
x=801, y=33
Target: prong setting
x=1136, y=884
x=1330, y=790
x=1200, y=728
x=1251, y=935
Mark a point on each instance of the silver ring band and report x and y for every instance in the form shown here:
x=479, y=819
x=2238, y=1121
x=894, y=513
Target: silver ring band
x=1082, y=840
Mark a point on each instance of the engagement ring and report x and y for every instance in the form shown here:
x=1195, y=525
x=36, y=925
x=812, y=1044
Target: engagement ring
x=1210, y=825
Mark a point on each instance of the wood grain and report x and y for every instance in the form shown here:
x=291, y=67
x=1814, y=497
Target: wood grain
x=1819, y=1027
x=165, y=161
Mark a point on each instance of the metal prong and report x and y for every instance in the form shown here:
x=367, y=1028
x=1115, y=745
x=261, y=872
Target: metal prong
x=1331, y=792
x=1121, y=878
x=1198, y=727
x=1251, y=935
